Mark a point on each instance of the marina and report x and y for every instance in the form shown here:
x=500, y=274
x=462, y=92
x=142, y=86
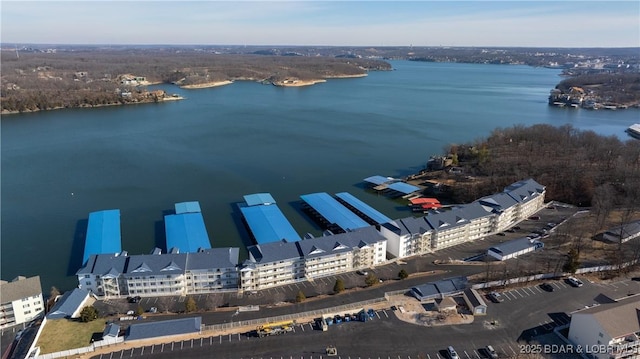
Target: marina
x=103, y=233
x=265, y=220
x=185, y=230
x=330, y=213
x=634, y=130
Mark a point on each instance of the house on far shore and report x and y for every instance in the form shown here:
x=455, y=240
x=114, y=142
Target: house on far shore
x=70, y=304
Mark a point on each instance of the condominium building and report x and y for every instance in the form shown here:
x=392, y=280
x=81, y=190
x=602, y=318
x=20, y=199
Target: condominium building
x=407, y=236
x=445, y=228
x=21, y=300
x=529, y=196
x=280, y=263
x=159, y=273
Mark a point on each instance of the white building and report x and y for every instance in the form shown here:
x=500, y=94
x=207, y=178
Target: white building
x=407, y=236
x=154, y=274
x=622, y=234
x=530, y=197
x=21, y=300
x=279, y=263
x=609, y=330
x=514, y=248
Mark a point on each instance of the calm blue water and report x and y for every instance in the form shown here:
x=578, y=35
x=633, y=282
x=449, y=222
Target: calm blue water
x=222, y=143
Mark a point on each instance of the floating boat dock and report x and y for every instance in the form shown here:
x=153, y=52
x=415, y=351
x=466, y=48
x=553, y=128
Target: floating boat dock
x=103, y=234
x=331, y=213
x=366, y=212
x=265, y=221
x=185, y=230
x=393, y=187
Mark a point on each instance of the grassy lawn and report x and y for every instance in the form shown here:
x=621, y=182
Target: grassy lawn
x=64, y=334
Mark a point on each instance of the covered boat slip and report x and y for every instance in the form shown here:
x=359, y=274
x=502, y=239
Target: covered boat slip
x=334, y=215
x=265, y=220
x=391, y=186
x=186, y=232
x=103, y=234
x=368, y=213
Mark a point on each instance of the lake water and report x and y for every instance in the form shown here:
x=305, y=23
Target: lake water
x=222, y=143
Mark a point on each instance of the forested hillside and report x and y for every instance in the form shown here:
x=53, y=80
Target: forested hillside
x=577, y=167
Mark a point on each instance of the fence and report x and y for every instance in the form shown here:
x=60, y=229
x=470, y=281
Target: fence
x=313, y=313
x=501, y=283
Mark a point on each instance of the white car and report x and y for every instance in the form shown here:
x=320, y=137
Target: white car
x=575, y=282
x=452, y=353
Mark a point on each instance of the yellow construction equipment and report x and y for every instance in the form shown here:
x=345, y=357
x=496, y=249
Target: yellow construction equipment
x=276, y=328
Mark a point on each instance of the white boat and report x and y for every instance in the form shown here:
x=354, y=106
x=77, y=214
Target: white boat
x=634, y=130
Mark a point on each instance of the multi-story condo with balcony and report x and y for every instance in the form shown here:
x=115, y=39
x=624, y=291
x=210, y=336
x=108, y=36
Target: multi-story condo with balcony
x=174, y=273
x=278, y=263
x=21, y=301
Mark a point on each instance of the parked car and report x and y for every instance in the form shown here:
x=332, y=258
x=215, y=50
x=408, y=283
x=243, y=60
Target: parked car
x=511, y=230
x=575, y=282
x=516, y=227
x=496, y=297
x=135, y=299
x=362, y=272
x=371, y=313
x=547, y=287
x=153, y=310
x=452, y=353
x=501, y=234
x=490, y=352
x=337, y=319
x=534, y=218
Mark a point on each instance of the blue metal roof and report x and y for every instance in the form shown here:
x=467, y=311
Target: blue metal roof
x=268, y=224
x=258, y=199
x=403, y=187
x=103, y=233
x=333, y=211
x=187, y=207
x=186, y=232
x=364, y=208
x=377, y=180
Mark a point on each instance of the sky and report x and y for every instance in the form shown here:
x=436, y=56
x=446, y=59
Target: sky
x=509, y=23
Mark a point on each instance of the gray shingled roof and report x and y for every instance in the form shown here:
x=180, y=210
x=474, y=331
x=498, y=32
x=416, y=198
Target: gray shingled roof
x=104, y=264
x=339, y=243
x=499, y=201
x=513, y=246
x=627, y=230
x=68, y=304
x=441, y=287
x=149, y=264
x=163, y=328
x=445, y=220
x=525, y=190
x=20, y=287
x=617, y=319
x=213, y=258
x=414, y=225
x=474, y=210
x=275, y=251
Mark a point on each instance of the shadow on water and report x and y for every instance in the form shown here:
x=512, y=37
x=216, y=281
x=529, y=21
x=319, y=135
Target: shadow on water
x=160, y=233
x=77, y=247
x=240, y=223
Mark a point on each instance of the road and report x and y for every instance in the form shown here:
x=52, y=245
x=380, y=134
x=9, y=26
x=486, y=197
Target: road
x=527, y=313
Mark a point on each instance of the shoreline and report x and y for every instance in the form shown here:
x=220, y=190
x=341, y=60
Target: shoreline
x=206, y=85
